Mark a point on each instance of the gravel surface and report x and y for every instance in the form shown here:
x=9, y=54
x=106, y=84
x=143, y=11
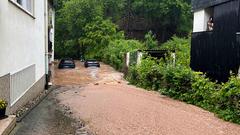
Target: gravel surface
x=109, y=106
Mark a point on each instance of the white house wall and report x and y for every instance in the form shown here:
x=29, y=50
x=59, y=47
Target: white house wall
x=22, y=40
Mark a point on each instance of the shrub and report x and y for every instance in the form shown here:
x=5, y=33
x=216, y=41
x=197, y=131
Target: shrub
x=114, y=53
x=149, y=74
x=228, y=100
x=97, y=36
x=133, y=75
x=178, y=81
x=150, y=41
x=182, y=48
x=3, y=104
x=203, y=92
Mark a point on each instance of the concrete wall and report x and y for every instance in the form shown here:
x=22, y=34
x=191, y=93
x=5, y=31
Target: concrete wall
x=22, y=38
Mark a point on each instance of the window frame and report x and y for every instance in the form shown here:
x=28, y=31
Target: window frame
x=19, y=6
x=201, y=18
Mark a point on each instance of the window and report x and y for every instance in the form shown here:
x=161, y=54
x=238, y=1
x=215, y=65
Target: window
x=19, y=2
x=26, y=5
x=202, y=19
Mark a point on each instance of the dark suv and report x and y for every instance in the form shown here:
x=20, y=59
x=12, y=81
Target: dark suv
x=66, y=63
x=91, y=63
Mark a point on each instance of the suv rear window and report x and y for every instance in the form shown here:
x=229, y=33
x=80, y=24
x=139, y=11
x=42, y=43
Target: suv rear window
x=67, y=62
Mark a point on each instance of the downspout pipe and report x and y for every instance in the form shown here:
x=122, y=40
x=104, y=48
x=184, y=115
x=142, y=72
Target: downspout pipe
x=46, y=42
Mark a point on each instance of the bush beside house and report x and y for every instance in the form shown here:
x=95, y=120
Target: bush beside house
x=180, y=82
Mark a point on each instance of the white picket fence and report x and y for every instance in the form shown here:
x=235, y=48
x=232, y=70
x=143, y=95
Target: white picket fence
x=21, y=82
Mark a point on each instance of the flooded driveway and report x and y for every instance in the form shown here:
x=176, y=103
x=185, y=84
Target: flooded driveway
x=84, y=76
x=102, y=100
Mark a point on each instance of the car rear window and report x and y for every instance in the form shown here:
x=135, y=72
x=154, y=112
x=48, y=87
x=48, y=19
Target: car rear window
x=68, y=61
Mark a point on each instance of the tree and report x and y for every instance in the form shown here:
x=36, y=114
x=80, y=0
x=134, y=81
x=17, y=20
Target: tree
x=97, y=36
x=71, y=19
x=150, y=41
x=114, y=9
x=165, y=17
x=82, y=24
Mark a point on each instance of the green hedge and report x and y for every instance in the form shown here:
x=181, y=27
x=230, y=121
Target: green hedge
x=114, y=53
x=180, y=82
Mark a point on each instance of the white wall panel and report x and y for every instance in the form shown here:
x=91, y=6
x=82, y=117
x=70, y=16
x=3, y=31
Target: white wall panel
x=22, y=38
x=20, y=82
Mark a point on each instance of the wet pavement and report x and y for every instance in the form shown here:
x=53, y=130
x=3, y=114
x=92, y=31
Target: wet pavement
x=46, y=119
x=107, y=105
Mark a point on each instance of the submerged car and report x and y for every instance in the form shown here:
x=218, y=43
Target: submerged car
x=91, y=63
x=66, y=63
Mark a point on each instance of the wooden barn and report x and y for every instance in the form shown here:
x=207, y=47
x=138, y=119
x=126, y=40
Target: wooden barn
x=215, y=47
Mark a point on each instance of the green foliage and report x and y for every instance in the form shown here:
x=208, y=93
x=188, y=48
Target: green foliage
x=114, y=53
x=203, y=91
x=182, y=48
x=97, y=36
x=69, y=49
x=75, y=19
x=58, y=4
x=78, y=13
x=150, y=75
x=150, y=41
x=114, y=9
x=70, y=23
x=180, y=82
x=3, y=104
x=167, y=16
x=228, y=100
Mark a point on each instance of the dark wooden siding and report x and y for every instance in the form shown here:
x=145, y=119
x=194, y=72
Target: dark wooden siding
x=217, y=52
x=201, y=4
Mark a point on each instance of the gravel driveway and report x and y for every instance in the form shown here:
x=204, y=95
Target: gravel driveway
x=109, y=106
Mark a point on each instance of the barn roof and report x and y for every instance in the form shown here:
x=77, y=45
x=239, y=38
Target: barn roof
x=201, y=4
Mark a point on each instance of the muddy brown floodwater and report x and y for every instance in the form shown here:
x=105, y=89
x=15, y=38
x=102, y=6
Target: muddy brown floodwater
x=104, y=101
x=84, y=76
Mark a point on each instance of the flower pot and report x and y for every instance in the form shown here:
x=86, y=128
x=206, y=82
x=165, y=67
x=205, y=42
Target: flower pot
x=2, y=113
